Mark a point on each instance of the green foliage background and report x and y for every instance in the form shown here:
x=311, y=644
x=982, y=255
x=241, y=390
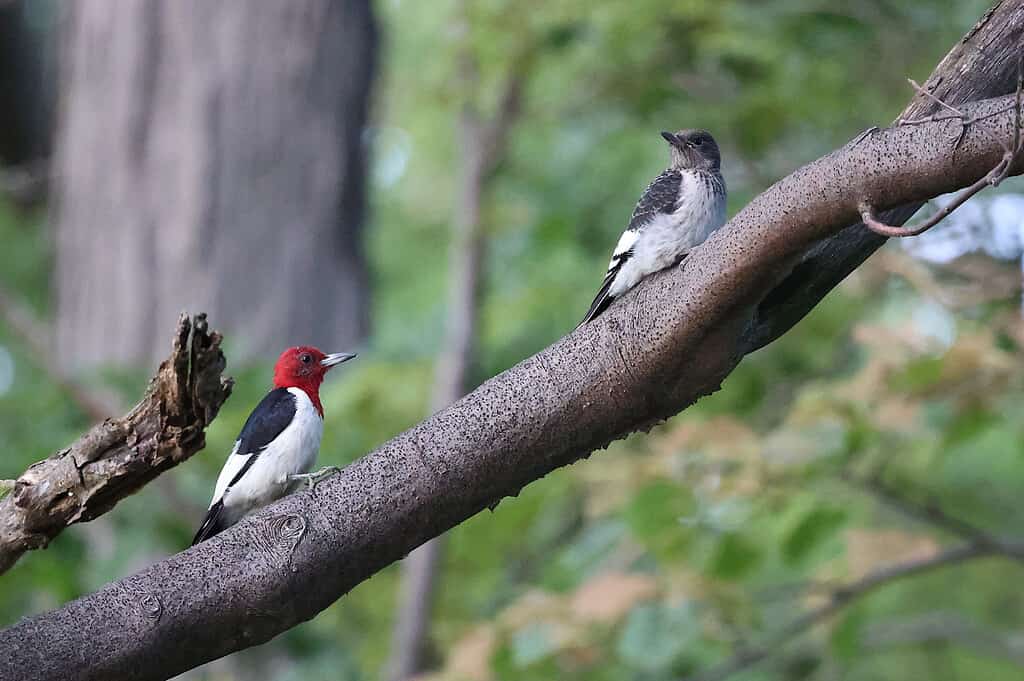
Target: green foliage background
x=657, y=558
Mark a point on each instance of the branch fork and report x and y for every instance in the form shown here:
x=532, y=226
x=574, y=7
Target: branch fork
x=991, y=179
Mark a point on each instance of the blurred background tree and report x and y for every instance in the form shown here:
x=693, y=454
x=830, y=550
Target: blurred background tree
x=211, y=155
x=28, y=50
x=884, y=430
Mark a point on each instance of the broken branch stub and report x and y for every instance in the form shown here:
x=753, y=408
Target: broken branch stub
x=117, y=457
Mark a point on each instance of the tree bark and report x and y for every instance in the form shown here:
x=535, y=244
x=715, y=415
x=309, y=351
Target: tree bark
x=663, y=346
x=420, y=569
x=210, y=156
x=482, y=143
x=119, y=456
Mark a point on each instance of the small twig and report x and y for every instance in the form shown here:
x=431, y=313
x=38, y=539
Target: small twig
x=864, y=135
x=991, y=179
x=965, y=120
x=978, y=544
x=839, y=599
x=795, y=589
x=920, y=90
x=943, y=627
x=936, y=118
x=932, y=514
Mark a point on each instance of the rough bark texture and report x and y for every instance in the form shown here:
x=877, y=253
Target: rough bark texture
x=210, y=156
x=420, y=569
x=119, y=456
x=982, y=65
x=482, y=144
x=664, y=345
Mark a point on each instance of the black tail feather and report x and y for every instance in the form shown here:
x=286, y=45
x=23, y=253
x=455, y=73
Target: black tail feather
x=603, y=299
x=212, y=523
x=600, y=304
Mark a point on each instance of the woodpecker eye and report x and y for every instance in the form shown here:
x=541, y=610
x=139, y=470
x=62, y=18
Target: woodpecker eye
x=305, y=358
x=698, y=142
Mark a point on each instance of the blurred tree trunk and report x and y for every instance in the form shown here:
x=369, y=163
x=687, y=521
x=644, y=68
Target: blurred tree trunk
x=27, y=65
x=483, y=143
x=210, y=157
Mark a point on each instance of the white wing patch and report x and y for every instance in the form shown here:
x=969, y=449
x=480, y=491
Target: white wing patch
x=626, y=242
x=228, y=472
x=669, y=236
x=293, y=451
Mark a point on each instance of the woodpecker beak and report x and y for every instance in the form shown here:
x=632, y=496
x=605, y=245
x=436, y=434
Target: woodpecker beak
x=672, y=139
x=336, y=358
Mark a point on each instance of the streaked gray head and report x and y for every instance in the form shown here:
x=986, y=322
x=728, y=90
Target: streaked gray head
x=693, y=149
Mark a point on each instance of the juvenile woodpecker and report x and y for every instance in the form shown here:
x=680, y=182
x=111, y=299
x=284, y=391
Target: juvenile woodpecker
x=677, y=211
x=278, y=443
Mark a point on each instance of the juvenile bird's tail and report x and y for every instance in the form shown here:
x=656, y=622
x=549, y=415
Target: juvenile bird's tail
x=603, y=298
x=601, y=302
x=213, y=523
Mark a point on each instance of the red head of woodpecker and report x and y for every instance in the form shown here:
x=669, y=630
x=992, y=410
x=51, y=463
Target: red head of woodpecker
x=279, y=442
x=304, y=367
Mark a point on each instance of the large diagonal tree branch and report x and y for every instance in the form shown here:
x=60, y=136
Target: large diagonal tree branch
x=483, y=142
x=982, y=65
x=665, y=345
x=120, y=455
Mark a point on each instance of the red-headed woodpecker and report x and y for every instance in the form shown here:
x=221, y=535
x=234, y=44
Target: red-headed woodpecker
x=278, y=443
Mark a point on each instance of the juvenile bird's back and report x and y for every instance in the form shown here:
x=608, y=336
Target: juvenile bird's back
x=678, y=210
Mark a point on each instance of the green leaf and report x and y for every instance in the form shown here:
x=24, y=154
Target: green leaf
x=654, y=514
x=812, y=530
x=846, y=635
x=734, y=557
x=656, y=635
x=584, y=554
x=657, y=507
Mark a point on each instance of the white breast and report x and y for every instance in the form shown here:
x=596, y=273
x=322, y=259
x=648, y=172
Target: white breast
x=293, y=451
x=669, y=236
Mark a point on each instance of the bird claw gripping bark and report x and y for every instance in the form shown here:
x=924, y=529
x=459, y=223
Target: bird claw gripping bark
x=315, y=478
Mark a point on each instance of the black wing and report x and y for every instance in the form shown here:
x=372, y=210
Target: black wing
x=270, y=417
x=603, y=299
x=211, y=523
x=661, y=196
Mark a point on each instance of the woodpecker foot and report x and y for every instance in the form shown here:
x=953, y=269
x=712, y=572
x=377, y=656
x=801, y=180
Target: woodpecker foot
x=315, y=478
